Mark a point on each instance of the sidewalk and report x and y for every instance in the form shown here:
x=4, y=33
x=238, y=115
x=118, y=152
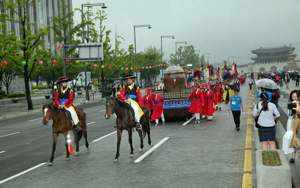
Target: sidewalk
x=20, y=108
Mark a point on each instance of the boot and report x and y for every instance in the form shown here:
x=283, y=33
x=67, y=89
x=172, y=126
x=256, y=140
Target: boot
x=138, y=126
x=77, y=128
x=217, y=108
x=220, y=108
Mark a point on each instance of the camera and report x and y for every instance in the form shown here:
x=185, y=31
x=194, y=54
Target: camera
x=292, y=105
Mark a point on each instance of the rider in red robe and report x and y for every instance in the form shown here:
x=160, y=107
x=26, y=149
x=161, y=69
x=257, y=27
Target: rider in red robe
x=219, y=91
x=198, y=102
x=158, y=110
x=210, y=100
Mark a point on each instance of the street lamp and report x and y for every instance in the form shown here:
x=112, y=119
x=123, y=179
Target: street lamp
x=176, y=48
x=234, y=57
x=162, y=51
x=83, y=41
x=228, y=58
x=137, y=26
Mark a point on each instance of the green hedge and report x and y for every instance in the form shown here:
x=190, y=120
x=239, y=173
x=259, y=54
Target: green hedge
x=16, y=95
x=2, y=92
x=41, y=87
x=1, y=97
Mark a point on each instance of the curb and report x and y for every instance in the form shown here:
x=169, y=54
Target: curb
x=36, y=111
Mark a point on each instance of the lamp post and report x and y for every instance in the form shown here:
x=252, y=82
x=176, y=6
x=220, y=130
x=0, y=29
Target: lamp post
x=234, y=57
x=228, y=58
x=176, y=49
x=83, y=41
x=162, y=51
x=137, y=26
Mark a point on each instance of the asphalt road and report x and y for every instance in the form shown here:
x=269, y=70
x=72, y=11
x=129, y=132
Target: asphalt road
x=31, y=141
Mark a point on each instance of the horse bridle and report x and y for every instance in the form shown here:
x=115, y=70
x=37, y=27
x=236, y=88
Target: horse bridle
x=50, y=109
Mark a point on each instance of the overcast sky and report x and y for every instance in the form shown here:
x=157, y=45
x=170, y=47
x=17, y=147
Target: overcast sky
x=220, y=27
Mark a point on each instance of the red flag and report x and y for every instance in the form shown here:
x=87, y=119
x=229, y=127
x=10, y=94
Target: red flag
x=59, y=46
x=218, y=72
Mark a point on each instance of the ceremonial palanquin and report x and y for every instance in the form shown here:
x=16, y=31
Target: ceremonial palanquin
x=176, y=105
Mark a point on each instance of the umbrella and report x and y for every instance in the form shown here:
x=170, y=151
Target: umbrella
x=266, y=83
x=283, y=72
x=278, y=72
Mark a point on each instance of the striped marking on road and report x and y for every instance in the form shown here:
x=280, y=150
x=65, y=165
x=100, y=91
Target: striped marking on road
x=9, y=134
x=21, y=173
x=2, y=152
x=34, y=119
x=90, y=123
x=247, y=176
x=151, y=150
x=104, y=136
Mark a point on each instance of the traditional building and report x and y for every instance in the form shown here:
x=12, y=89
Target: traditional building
x=274, y=58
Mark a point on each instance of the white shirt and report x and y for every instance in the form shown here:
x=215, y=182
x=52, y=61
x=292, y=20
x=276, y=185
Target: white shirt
x=266, y=118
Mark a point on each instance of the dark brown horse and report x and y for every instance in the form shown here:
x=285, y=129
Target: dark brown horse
x=61, y=125
x=125, y=121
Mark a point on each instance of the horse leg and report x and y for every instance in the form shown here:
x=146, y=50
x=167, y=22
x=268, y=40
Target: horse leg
x=148, y=132
x=53, y=148
x=119, y=133
x=130, y=141
x=86, y=142
x=66, y=144
x=77, y=142
x=141, y=138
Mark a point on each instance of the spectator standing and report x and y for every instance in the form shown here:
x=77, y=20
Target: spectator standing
x=287, y=78
x=250, y=82
x=297, y=80
x=236, y=105
x=266, y=123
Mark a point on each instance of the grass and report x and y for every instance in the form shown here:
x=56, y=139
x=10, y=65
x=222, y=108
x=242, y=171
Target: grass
x=271, y=158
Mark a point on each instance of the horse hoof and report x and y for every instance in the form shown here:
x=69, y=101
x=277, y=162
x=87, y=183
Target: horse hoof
x=131, y=155
x=151, y=145
x=141, y=150
x=89, y=148
x=67, y=159
x=76, y=153
x=116, y=160
x=49, y=164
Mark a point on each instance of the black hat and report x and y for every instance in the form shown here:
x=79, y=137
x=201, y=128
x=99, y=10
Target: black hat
x=63, y=79
x=129, y=76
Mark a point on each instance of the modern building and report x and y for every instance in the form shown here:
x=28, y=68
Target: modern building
x=40, y=13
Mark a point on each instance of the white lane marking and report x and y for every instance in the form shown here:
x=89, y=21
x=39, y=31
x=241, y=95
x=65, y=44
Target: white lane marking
x=90, y=123
x=2, y=152
x=21, y=173
x=102, y=110
x=37, y=118
x=9, y=134
x=150, y=150
x=104, y=136
x=188, y=120
x=45, y=110
x=28, y=143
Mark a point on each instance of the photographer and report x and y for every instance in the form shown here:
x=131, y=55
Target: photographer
x=266, y=123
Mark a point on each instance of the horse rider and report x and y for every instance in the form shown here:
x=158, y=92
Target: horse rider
x=131, y=94
x=64, y=98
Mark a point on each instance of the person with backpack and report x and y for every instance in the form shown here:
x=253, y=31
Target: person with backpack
x=250, y=82
x=265, y=123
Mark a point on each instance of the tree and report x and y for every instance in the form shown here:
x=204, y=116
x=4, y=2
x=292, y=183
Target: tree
x=186, y=55
x=10, y=72
x=31, y=42
x=9, y=45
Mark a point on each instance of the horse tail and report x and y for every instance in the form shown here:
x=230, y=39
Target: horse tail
x=144, y=130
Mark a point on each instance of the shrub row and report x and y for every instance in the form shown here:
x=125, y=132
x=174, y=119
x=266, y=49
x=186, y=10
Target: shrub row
x=2, y=92
x=1, y=97
x=36, y=90
x=41, y=87
x=16, y=95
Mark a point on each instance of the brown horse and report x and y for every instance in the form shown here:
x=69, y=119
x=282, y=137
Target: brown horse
x=62, y=124
x=125, y=121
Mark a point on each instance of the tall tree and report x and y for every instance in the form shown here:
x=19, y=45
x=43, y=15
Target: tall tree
x=10, y=72
x=31, y=42
x=186, y=55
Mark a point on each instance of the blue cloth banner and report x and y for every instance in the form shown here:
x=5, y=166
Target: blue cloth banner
x=173, y=104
